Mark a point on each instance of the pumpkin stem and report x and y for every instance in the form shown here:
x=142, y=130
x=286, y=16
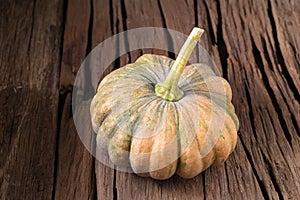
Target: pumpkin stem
x=169, y=89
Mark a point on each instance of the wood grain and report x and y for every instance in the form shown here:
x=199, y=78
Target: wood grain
x=75, y=176
x=255, y=46
x=30, y=40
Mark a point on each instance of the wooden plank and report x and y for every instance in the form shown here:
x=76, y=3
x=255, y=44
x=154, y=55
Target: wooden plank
x=139, y=14
x=74, y=164
x=75, y=43
x=284, y=19
x=261, y=96
x=30, y=39
x=103, y=27
x=286, y=65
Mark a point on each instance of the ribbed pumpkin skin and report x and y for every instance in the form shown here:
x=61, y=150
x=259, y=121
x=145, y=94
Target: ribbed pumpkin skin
x=155, y=137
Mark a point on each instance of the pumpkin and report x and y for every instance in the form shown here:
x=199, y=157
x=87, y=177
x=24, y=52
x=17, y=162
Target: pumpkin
x=158, y=116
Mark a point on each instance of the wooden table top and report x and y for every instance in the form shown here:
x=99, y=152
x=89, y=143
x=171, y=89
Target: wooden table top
x=255, y=44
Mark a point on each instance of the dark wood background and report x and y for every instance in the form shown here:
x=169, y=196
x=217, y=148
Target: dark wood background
x=255, y=43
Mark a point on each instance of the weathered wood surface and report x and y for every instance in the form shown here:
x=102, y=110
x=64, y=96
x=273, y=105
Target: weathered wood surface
x=42, y=43
x=30, y=40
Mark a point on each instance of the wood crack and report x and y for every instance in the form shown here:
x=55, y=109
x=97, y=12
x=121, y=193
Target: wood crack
x=111, y=16
x=61, y=99
x=124, y=21
x=89, y=93
x=115, y=189
x=210, y=26
x=259, y=181
x=196, y=24
x=117, y=62
x=251, y=115
x=31, y=31
x=279, y=56
x=171, y=53
x=93, y=181
x=282, y=151
x=293, y=117
x=61, y=103
x=259, y=63
x=163, y=18
x=272, y=177
x=223, y=52
x=196, y=12
x=94, y=178
x=90, y=29
x=89, y=47
x=61, y=50
x=203, y=182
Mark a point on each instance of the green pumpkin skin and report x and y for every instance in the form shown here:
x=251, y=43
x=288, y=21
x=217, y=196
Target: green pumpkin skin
x=155, y=137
